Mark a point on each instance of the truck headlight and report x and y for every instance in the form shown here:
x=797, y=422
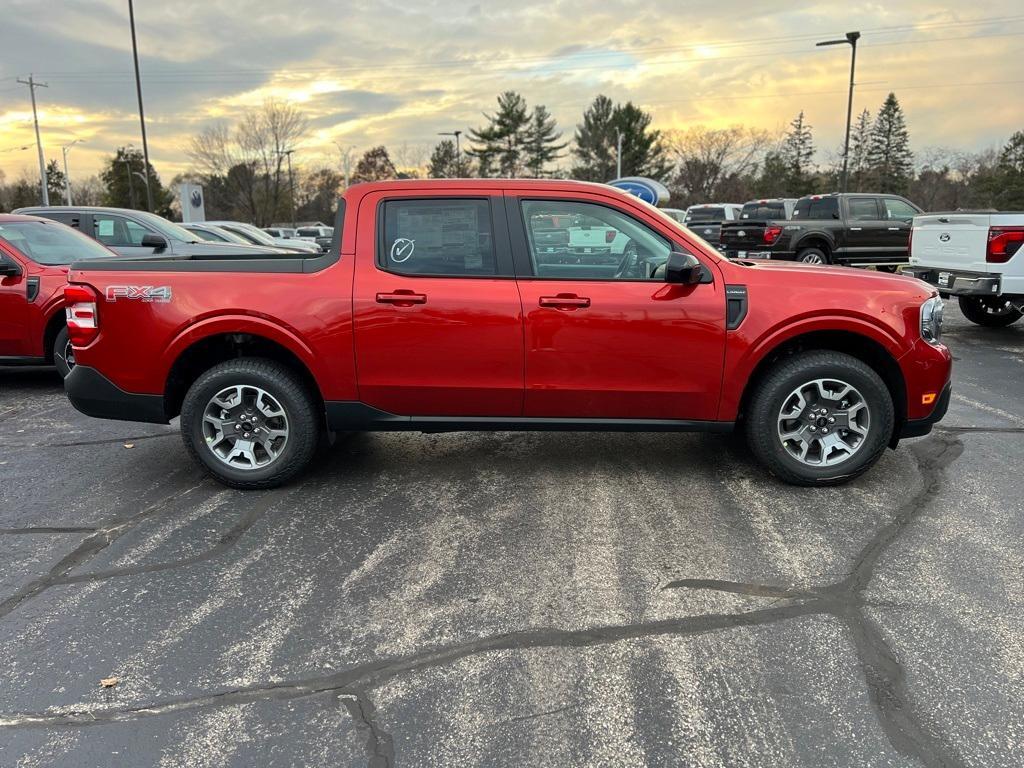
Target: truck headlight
x=931, y=320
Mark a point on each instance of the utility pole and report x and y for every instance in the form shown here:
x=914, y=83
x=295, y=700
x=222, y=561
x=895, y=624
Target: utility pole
x=142, y=115
x=131, y=186
x=32, y=85
x=67, y=176
x=291, y=181
x=618, y=158
x=851, y=40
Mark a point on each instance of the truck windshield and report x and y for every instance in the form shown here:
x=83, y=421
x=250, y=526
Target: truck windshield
x=705, y=214
x=763, y=211
x=50, y=243
x=816, y=208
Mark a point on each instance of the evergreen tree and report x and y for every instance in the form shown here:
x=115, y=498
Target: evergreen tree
x=500, y=146
x=375, y=165
x=1006, y=185
x=445, y=162
x=860, y=140
x=596, y=142
x=55, y=183
x=889, y=159
x=124, y=183
x=542, y=146
x=798, y=155
x=643, y=153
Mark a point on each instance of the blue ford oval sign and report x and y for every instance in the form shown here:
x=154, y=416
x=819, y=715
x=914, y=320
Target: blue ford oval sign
x=648, y=190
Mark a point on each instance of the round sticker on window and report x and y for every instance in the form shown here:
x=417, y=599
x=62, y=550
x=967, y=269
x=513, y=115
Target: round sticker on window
x=401, y=249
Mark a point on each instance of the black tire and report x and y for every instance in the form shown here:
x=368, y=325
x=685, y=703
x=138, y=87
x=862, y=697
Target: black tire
x=63, y=356
x=813, y=256
x=298, y=404
x=892, y=269
x=772, y=392
x=989, y=311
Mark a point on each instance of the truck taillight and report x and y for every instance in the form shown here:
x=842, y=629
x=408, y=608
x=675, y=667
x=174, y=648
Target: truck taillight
x=771, y=234
x=1003, y=243
x=81, y=313
x=609, y=236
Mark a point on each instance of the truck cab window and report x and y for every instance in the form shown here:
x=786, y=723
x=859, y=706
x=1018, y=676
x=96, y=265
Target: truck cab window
x=441, y=237
x=899, y=210
x=816, y=208
x=590, y=242
x=863, y=209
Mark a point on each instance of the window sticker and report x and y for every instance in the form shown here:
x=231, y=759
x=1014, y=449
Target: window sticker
x=105, y=228
x=402, y=250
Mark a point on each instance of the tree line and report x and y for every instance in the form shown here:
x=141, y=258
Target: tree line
x=253, y=171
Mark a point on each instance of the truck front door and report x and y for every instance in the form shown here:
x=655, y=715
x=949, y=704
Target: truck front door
x=867, y=238
x=614, y=341
x=438, y=320
x=14, y=308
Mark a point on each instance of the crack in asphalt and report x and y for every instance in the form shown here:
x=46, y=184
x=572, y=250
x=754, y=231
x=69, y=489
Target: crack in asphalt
x=380, y=747
x=231, y=537
x=89, y=547
x=883, y=673
x=365, y=677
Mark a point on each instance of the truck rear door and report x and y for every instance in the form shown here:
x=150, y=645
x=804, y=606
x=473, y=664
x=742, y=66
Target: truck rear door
x=438, y=319
x=954, y=241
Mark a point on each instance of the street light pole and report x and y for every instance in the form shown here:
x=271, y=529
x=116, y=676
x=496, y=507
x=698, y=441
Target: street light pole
x=618, y=157
x=291, y=181
x=32, y=85
x=458, y=147
x=67, y=176
x=142, y=114
x=850, y=39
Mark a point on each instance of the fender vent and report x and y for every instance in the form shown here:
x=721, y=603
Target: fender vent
x=735, y=306
x=31, y=289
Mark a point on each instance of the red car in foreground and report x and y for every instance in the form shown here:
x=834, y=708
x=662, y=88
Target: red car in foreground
x=34, y=258
x=451, y=305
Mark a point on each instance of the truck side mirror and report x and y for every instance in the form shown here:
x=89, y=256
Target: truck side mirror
x=9, y=267
x=156, y=242
x=683, y=269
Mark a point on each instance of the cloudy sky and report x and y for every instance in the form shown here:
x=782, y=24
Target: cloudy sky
x=380, y=71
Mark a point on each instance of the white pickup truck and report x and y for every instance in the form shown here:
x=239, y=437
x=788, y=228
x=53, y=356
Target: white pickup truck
x=977, y=257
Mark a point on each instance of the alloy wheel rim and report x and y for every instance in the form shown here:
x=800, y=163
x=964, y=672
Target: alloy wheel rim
x=245, y=427
x=69, y=356
x=823, y=422
x=812, y=258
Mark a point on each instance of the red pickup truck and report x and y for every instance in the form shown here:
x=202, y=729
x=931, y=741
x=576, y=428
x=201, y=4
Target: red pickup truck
x=34, y=258
x=434, y=310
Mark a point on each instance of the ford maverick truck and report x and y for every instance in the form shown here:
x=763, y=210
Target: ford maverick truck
x=436, y=309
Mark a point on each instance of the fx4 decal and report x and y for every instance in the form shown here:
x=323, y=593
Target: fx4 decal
x=147, y=293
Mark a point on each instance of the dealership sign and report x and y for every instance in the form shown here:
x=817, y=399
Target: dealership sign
x=648, y=190
x=193, y=207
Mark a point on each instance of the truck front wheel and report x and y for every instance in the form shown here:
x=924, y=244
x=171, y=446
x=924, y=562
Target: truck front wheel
x=251, y=423
x=819, y=418
x=990, y=311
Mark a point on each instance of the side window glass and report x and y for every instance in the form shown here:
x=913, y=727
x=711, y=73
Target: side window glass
x=110, y=230
x=439, y=237
x=863, y=209
x=897, y=209
x=585, y=241
x=134, y=231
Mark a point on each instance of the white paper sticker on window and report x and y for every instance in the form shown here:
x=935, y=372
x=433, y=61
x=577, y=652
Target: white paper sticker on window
x=105, y=228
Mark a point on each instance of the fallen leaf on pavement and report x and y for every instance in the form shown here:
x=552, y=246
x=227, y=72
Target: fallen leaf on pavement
x=129, y=445
x=109, y=682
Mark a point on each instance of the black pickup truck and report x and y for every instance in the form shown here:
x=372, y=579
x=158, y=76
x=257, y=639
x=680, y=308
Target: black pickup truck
x=856, y=229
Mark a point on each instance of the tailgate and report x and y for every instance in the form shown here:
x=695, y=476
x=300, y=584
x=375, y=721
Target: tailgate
x=954, y=241
x=743, y=236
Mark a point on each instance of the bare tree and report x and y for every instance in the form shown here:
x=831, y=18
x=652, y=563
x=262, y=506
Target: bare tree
x=411, y=160
x=248, y=165
x=709, y=158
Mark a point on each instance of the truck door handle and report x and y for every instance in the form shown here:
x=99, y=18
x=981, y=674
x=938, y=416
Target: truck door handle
x=565, y=301
x=402, y=298
x=856, y=229
x=894, y=229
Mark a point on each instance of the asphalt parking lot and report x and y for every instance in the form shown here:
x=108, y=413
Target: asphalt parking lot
x=515, y=599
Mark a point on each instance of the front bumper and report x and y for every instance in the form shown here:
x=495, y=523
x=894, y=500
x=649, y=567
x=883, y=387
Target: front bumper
x=957, y=283
x=94, y=394
x=921, y=427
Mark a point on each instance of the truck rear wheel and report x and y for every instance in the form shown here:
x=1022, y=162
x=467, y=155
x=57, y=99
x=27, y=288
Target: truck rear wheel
x=813, y=256
x=990, y=311
x=63, y=353
x=251, y=423
x=820, y=418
